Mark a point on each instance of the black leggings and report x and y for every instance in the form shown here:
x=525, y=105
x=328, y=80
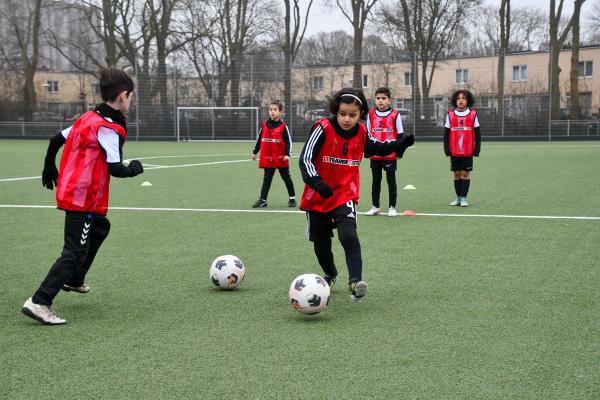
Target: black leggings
x=84, y=234
x=268, y=178
x=349, y=240
x=376, y=189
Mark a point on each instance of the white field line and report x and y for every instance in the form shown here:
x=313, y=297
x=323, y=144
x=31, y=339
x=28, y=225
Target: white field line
x=150, y=166
x=222, y=210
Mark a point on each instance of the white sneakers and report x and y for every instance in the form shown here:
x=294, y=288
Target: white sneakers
x=373, y=211
x=85, y=288
x=358, y=290
x=41, y=313
x=376, y=211
x=460, y=201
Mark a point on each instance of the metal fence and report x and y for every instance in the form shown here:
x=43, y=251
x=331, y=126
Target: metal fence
x=154, y=111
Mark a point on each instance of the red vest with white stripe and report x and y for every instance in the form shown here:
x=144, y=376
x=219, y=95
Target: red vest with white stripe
x=338, y=164
x=383, y=129
x=272, y=147
x=462, y=134
x=83, y=178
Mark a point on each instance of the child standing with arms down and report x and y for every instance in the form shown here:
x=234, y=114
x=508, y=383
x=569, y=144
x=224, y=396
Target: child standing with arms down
x=384, y=124
x=462, y=141
x=275, y=145
x=92, y=153
x=330, y=166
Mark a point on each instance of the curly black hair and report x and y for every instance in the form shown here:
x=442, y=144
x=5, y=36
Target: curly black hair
x=467, y=94
x=349, y=96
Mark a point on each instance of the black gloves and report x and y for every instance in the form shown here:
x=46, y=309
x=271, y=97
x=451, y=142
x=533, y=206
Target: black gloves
x=49, y=176
x=50, y=173
x=136, y=167
x=322, y=188
x=408, y=139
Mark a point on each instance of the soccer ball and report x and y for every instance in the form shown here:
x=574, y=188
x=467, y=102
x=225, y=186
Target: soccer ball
x=309, y=294
x=227, y=272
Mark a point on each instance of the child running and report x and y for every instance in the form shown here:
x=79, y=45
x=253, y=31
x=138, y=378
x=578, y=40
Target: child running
x=330, y=166
x=93, y=152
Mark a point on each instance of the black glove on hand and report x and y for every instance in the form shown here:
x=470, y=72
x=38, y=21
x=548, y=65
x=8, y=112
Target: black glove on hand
x=49, y=176
x=324, y=190
x=136, y=167
x=408, y=139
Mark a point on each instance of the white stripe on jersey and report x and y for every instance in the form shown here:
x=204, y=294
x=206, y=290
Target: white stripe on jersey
x=314, y=137
x=287, y=131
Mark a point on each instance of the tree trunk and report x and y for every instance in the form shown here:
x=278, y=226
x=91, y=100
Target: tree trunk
x=504, y=41
x=357, y=55
x=575, y=111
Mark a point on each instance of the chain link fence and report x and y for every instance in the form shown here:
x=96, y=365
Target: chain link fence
x=156, y=111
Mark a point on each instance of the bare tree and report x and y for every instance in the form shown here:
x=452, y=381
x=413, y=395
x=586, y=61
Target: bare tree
x=357, y=15
x=429, y=28
x=23, y=19
x=294, y=34
x=575, y=109
x=325, y=48
x=504, y=41
x=380, y=54
x=92, y=40
x=557, y=38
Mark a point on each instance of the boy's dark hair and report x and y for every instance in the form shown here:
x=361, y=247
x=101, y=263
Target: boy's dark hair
x=349, y=96
x=114, y=81
x=384, y=90
x=277, y=103
x=467, y=94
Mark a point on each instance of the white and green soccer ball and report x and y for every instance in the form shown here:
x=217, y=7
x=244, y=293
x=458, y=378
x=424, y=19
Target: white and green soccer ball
x=227, y=272
x=309, y=294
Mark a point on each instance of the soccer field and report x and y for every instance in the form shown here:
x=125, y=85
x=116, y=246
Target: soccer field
x=499, y=300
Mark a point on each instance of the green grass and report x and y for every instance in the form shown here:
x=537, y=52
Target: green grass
x=458, y=308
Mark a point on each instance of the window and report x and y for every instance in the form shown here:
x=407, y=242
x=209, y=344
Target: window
x=462, y=76
x=365, y=81
x=51, y=86
x=317, y=83
x=519, y=73
x=407, y=79
x=586, y=69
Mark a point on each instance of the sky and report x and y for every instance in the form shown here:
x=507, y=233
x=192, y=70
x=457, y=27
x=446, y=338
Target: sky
x=327, y=19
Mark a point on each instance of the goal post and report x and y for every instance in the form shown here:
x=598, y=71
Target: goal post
x=217, y=123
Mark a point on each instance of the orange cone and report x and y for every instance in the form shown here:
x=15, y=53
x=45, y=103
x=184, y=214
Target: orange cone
x=409, y=213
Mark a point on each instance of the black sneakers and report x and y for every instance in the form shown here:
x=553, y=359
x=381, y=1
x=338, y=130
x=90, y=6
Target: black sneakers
x=330, y=279
x=260, y=203
x=292, y=202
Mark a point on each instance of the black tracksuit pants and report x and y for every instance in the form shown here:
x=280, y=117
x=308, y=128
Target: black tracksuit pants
x=84, y=234
x=268, y=179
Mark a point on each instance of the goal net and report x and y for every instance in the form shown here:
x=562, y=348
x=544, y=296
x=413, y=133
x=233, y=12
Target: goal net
x=217, y=123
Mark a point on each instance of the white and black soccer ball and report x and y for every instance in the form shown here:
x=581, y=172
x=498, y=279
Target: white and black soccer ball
x=227, y=272
x=309, y=294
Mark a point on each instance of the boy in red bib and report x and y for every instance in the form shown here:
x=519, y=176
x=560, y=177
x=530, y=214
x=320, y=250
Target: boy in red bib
x=383, y=124
x=462, y=141
x=92, y=153
x=330, y=166
x=274, y=143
